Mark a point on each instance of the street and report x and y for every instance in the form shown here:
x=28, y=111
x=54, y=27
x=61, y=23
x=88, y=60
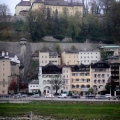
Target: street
x=53, y=99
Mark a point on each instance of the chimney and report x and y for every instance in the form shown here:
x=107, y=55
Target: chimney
x=3, y=53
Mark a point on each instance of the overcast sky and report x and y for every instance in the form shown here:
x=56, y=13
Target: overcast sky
x=11, y=4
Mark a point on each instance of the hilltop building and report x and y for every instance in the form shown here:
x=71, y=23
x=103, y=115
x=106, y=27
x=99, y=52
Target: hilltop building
x=72, y=7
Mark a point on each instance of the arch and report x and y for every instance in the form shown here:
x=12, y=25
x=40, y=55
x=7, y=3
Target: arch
x=82, y=86
x=77, y=86
x=73, y=86
x=94, y=86
x=101, y=86
x=88, y=86
x=44, y=81
x=48, y=81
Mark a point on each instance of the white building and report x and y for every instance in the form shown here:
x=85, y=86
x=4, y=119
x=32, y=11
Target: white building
x=33, y=86
x=100, y=74
x=66, y=72
x=46, y=75
x=88, y=57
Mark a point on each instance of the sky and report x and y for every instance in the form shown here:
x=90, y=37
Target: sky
x=11, y=4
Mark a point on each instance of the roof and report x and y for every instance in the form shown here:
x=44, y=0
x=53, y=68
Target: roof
x=100, y=64
x=34, y=82
x=58, y=3
x=24, y=3
x=90, y=51
x=53, y=54
x=113, y=57
x=71, y=51
x=110, y=47
x=50, y=68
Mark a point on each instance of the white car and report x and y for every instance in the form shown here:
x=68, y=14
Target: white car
x=62, y=96
x=108, y=96
x=49, y=96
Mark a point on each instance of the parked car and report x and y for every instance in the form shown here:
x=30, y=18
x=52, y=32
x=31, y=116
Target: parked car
x=49, y=96
x=90, y=96
x=35, y=96
x=75, y=96
x=62, y=96
x=108, y=96
x=24, y=95
x=100, y=97
x=118, y=97
x=16, y=96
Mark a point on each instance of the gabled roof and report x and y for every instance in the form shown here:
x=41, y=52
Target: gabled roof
x=50, y=68
x=100, y=64
x=24, y=3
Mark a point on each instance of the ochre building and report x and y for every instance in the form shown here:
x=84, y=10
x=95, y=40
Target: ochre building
x=60, y=5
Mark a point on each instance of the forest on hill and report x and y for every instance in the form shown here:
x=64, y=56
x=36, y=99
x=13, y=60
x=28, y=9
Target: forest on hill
x=94, y=25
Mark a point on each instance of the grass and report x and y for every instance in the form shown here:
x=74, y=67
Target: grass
x=64, y=110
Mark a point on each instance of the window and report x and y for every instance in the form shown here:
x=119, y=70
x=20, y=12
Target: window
x=107, y=75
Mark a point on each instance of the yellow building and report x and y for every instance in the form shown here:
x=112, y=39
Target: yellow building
x=80, y=79
x=53, y=5
x=70, y=57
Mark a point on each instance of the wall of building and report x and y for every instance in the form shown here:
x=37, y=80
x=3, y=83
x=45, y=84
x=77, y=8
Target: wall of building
x=20, y=8
x=5, y=71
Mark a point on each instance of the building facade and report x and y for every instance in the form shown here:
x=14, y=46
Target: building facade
x=100, y=74
x=33, y=86
x=5, y=72
x=80, y=79
x=59, y=5
x=9, y=71
x=70, y=57
x=88, y=57
x=46, y=57
x=66, y=73
x=47, y=74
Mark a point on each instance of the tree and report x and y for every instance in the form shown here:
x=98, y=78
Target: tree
x=5, y=16
x=73, y=47
x=91, y=91
x=37, y=23
x=58, y=49
x=111, y=84
x=113, y=21
x=57, y=82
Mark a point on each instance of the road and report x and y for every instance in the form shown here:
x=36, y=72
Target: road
x=54, y=99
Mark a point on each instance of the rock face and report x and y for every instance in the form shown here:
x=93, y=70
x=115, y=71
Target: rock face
x=24, y=50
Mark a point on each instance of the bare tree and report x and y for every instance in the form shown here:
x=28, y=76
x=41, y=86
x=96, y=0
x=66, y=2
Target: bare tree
x=57, y=82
